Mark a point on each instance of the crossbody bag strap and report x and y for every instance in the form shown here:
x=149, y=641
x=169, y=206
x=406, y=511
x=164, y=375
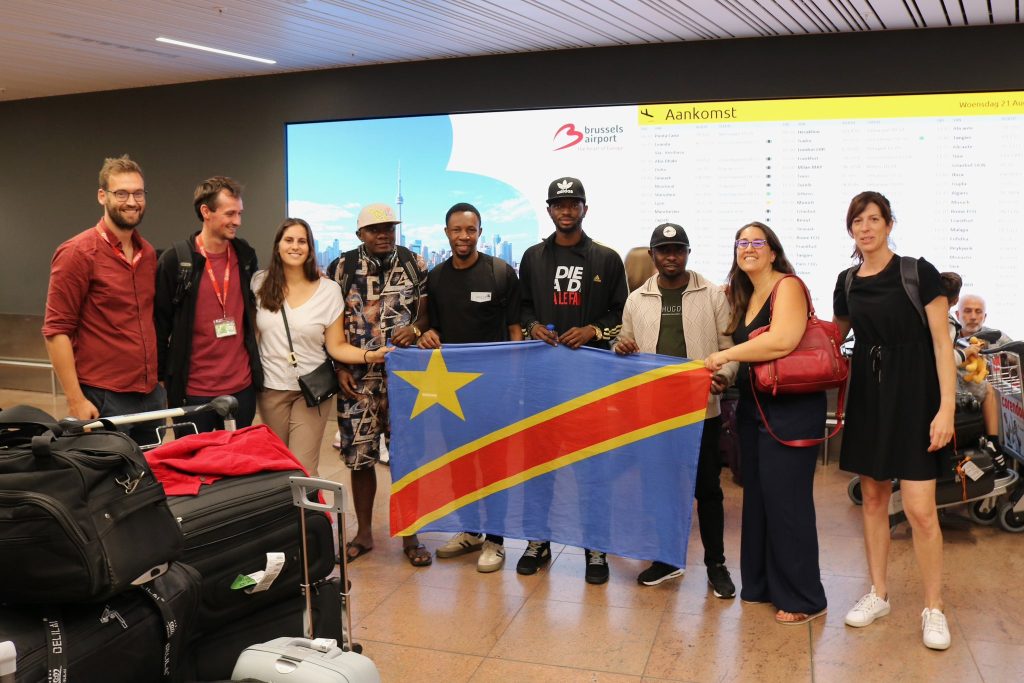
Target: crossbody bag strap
x=801, y=443
x=291, y=350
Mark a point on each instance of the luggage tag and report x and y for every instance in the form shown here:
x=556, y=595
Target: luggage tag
x=259, y=581
x=973, y=471
x=224, y=327
x=479, y=297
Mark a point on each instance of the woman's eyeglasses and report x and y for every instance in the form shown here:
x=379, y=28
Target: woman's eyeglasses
x=756, y=244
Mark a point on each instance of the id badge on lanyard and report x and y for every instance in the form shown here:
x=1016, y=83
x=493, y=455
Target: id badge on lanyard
x=225, y=326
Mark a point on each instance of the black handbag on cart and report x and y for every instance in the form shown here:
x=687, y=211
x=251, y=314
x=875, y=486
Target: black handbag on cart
x=81, y=516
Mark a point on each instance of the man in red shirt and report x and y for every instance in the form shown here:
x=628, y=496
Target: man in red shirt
x=206, y=310
x=99, y=307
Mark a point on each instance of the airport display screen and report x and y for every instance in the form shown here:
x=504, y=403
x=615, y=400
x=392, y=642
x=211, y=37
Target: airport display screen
x=952, y=166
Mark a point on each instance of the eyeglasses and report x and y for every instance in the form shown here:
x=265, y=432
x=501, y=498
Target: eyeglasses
x=122, y=195
x=756, y=244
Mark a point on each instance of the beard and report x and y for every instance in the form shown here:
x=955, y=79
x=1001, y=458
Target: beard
x=118, y=218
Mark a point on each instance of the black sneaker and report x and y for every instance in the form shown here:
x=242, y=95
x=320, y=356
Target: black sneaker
x=998, y=459
x=538, y=554
x=658, y=572
x=721, y=582
x=597, y=567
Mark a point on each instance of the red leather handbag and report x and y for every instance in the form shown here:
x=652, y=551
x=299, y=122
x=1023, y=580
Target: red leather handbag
x=816, y=364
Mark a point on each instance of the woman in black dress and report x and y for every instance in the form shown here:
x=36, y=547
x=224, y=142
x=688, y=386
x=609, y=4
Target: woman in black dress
x=899, y=417
x=779, y=538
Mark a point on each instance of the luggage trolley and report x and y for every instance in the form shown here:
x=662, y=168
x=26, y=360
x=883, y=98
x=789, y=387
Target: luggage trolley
x=1001, y=502
x=1005, y=378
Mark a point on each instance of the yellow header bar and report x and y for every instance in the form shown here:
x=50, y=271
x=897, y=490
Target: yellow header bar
x=824, y=108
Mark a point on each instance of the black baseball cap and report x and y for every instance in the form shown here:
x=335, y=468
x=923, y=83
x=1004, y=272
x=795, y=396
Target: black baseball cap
x=669, y=233
x=566, y=188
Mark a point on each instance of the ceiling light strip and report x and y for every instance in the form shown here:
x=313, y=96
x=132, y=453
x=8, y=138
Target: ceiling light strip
x=239, y=55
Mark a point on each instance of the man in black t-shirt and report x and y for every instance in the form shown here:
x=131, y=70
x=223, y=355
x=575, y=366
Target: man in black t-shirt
x=472, y=298
x=573, y=291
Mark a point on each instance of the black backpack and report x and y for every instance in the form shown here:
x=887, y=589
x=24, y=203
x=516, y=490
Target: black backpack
x=82, y=517
x=911, y=284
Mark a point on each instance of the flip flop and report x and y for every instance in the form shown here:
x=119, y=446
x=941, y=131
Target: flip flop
x=358, y=547
x=418, y=555
x=801, y=617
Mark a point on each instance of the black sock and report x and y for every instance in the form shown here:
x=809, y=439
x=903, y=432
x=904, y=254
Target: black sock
x=997, y=453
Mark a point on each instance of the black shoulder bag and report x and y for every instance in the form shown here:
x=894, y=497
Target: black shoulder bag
x=316, y=386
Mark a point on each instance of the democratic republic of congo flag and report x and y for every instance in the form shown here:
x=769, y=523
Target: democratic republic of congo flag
x=531, y=441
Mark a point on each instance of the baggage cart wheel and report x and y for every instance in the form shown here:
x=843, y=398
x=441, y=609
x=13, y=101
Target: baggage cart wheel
x=983, y=512
x=854, y=492
x=1009, y=520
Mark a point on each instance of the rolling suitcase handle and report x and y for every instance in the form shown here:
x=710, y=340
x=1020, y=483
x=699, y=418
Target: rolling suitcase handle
x=302, y=487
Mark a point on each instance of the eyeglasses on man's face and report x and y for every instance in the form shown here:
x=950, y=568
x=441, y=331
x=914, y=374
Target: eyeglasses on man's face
x=756, y=244
x=122, y=195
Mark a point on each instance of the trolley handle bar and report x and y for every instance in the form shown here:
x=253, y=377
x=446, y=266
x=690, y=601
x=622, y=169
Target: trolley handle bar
x=224, y=406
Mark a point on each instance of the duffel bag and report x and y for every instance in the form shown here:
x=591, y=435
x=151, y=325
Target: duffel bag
x=139, y=636
x=81, y=516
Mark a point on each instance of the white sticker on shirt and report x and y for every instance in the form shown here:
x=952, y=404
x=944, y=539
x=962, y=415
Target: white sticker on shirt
x=480, y=297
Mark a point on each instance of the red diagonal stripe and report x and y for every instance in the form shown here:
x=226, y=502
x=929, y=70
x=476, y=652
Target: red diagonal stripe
x=626, y=411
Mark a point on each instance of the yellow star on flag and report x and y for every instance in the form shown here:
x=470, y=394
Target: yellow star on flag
x=437, y=385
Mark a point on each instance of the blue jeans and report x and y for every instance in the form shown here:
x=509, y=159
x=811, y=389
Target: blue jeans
x=113, y=403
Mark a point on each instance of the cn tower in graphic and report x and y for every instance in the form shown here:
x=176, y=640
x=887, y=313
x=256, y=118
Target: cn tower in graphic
x=399, y=201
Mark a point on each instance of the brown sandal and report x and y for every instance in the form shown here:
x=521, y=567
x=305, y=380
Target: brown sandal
x=800, y=617
x=418, y=555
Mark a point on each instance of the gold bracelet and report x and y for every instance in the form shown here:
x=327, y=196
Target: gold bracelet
x=416, y=331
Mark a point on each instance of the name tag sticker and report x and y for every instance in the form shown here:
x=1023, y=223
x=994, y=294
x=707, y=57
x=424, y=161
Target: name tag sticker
x=480, y=297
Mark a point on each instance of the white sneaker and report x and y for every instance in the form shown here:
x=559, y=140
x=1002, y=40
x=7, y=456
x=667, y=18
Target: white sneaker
x=460, y=544
x=867, y=609
x=492, y=557
x=936, y=630
x=337, y=440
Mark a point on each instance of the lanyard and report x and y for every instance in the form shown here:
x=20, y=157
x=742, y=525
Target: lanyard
x=223, y=299
x=119, y=251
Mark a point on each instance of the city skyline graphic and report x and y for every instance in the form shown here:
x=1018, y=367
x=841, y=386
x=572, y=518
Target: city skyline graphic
x=335, y=168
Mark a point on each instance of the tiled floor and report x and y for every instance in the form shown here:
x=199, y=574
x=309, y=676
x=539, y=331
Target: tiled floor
x=449, y=623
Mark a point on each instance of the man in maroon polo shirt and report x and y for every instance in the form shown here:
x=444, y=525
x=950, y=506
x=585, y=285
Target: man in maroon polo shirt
x=99, y=307
x=206, y=310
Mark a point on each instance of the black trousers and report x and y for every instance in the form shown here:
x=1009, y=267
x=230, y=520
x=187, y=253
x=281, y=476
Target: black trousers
x=208, y=422
x=779, y=541
x=708, y=492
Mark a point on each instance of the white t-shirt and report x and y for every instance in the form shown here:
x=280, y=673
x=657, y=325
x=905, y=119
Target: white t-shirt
x=307, y=324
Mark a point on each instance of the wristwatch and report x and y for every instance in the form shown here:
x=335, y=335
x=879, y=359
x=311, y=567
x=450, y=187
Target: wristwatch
x=416, y=331
x=597, y=333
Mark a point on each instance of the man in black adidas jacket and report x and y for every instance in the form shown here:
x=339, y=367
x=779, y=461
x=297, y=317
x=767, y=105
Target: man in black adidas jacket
x=205, y=313
x=577, y=287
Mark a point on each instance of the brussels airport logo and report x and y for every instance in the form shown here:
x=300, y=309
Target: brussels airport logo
x=592, y=137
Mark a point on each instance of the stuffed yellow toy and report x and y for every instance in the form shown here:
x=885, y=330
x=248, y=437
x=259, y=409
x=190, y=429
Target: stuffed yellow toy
x=976, y=367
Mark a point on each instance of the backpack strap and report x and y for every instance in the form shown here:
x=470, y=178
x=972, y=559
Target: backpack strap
x=912, y=285
x=500, y=273
x=350, y=259
x=408, y=261
x=183, y=251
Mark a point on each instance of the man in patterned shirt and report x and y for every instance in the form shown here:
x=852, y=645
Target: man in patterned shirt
x=384, y=286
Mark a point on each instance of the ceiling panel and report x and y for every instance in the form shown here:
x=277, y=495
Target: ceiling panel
x=52, y=47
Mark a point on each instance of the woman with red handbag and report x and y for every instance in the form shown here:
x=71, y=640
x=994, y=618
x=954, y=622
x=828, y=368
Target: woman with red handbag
x=779, y=538
x=901, y=404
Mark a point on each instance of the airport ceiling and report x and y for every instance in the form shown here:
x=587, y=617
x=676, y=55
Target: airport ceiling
x=56, y=47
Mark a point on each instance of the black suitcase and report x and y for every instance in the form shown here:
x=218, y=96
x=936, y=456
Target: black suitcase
x=127, y=637
x=231, y=526
x=212, y=654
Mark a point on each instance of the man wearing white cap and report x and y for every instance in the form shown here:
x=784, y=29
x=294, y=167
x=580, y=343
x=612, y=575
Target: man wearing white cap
x=384, y=286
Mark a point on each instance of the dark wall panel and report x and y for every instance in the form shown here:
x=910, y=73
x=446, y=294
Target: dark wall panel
x=52, y=148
